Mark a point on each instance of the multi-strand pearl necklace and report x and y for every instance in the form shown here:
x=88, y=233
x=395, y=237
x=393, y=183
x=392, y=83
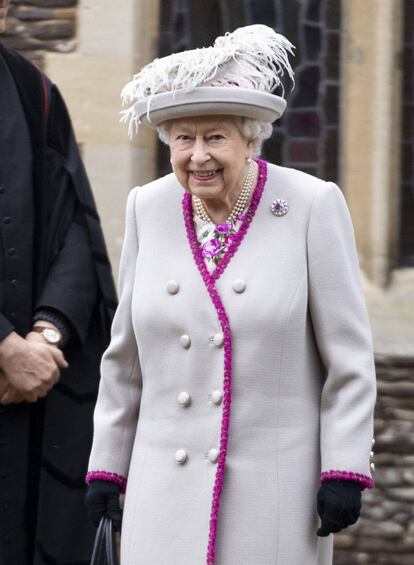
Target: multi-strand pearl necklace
x=241, y=201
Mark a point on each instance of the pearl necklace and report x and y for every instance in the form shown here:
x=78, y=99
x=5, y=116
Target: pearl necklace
x=241, y=201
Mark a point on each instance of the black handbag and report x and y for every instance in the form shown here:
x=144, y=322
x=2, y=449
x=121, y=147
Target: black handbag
x=104, y=549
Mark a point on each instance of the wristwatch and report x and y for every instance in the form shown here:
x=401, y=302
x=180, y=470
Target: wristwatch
x=50, y=335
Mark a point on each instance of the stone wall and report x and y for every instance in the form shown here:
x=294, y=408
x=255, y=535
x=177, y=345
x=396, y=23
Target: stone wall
x=385, y=531
x=37, y=26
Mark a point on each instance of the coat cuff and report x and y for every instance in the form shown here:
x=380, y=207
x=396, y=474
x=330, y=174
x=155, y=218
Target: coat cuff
x=363, y=480
x=56, y=318
x=6, y=327
x=107, y=476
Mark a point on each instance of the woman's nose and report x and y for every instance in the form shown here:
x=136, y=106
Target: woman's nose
x=200, y=152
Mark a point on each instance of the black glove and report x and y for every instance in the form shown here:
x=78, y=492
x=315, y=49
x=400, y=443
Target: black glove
x=102, y=497
x=339, y=505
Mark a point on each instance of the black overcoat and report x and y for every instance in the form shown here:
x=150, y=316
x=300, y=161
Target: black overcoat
x=44, y=447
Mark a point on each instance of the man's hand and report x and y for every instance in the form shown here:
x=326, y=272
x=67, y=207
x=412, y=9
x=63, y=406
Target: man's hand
x=4, y=384
x=30, y=366
x=8, y=395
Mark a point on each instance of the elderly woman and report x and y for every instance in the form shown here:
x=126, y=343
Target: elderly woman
x=240, y=373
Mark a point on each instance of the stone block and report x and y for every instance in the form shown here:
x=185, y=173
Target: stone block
x=404, y=494
x=48, y=3
x=52, y=29
x=36, y=13
x=401, y=389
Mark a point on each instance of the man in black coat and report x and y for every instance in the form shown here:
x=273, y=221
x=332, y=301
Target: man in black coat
x=56, y=304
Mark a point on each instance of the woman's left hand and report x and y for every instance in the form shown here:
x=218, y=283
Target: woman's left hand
x=339, y=505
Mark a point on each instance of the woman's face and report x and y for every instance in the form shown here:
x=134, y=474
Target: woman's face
x=208, y=155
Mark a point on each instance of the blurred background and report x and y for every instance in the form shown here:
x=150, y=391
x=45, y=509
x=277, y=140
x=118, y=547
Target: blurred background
x=350, y=119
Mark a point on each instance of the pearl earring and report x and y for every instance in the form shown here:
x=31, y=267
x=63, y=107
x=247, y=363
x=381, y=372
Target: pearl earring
x=248, y=160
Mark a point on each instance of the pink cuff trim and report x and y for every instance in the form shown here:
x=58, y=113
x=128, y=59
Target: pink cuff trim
x=106, y=476
x=363, y=480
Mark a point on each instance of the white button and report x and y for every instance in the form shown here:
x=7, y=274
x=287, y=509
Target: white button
x=373, y=442
x=184, y=398
x=213, y=455
x=371, y=454
x=239, y=285
x=185, y=341
x=372, y=467
x=218, y=340
x=216, y=397
x=172, y=287
x=181, y=456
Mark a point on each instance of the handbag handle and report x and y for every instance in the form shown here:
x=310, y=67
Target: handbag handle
x=104, y=550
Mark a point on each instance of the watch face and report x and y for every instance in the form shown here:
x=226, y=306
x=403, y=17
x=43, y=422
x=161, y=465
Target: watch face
x=51, y=335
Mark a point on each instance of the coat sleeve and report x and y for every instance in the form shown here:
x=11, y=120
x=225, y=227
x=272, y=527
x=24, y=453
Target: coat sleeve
x=70, y=288
x=117, y=408
x=5, y=327
x=343, y=335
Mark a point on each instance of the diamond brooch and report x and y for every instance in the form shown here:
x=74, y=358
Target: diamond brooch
x=279, y=207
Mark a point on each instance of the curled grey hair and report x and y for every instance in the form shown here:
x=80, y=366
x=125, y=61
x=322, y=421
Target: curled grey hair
x=254, y=131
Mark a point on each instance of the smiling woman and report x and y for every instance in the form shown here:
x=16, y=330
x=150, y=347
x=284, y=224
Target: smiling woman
x=234, y=391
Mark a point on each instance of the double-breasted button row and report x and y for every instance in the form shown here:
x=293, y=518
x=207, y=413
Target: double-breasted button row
x=216, y=339
x=184, y=398
x=181, y=456
x=173, y=287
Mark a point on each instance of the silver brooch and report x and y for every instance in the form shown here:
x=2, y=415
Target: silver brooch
x=279, y=207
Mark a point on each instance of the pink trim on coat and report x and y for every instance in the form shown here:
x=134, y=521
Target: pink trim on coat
x=363, y=480
x=209, y=280
x=107, y=476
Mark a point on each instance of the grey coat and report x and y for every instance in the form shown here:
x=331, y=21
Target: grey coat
x=303, y=379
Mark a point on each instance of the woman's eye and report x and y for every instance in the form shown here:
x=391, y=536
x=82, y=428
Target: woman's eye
x=216, y=137
x=183, y=137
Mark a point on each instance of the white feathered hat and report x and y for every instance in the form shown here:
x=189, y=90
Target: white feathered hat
x=236, y=76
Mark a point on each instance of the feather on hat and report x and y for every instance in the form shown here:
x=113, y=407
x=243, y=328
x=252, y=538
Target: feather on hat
x=235, y=76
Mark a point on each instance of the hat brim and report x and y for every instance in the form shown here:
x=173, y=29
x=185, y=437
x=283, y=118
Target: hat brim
x=208, y=101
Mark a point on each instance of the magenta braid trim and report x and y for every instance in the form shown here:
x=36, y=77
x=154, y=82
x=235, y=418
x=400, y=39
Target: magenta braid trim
x=363, y=480
x=209, y=280
x=107, y=476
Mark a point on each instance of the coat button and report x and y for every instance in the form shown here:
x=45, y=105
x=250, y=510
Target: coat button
x=7, y=220
x=372, y=467
x=185, y=341
x=1, y=189
x=218, y=340
x=216, y=397
x=181, y=456
x=12, y=251
x=212, y=455
x=373, y=442
x=371, y=454
x=184, y=398
x=239, y=285
x=172, y=287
